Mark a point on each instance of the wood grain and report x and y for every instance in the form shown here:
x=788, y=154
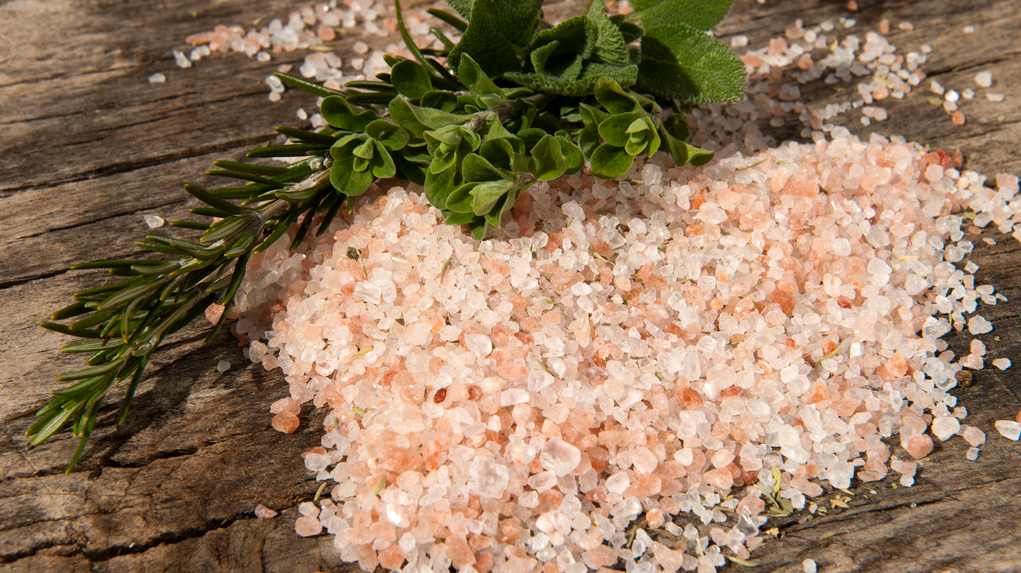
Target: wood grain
x=87, y=146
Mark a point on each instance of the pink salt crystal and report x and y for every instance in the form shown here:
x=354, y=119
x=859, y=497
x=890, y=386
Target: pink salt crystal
x=214, y=312
x=459, y=552
x=307, y=526
x=655, y=517
x=599, y=557
x=957, y=118
x=669, y=559
x=919, y=446
x=263, y=512
x=750, y=504
x=391, y=558
x=645, y=485
x=285, y=422
x=326, y=33
x=721, y=479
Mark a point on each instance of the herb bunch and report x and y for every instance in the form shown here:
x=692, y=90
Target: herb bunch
x=515, y=101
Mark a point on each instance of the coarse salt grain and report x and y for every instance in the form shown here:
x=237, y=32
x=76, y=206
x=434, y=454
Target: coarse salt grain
x=157, y=78
x=153, y=221
x=1002, y=363
x=1009, y=429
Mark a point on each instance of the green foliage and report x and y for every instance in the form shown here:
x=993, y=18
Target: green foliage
x=517, y=101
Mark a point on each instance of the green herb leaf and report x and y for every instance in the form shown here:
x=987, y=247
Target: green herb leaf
x=682, y=62
x=700, y=14
x=610, y=162
x=495, y=29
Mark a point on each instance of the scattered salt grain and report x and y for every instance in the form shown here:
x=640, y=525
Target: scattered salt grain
x=809, y=566
x=945, y=427
x=222, y=366
x=263, y=512
x=995, y=97
x=972, y=454
x=153, y=221
x=181, y=60
x=157, y=78
x=1002, y=363
x=979, y=325
x=1009, y=429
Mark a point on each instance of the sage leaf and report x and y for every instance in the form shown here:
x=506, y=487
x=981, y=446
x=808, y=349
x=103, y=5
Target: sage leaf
x=682, y=62
x=700, y=14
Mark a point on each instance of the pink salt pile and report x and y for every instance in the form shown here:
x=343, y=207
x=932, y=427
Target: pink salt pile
x=649, y=346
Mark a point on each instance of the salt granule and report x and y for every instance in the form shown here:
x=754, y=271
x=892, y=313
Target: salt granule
x=263, y=512
x=979, y=325
x=1009, y=429
x=809, y=565
x=153, y=221
x=157, y=78
x=222, y=366
x=1002, y=363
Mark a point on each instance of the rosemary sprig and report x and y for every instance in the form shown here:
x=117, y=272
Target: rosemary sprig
x=125, y=322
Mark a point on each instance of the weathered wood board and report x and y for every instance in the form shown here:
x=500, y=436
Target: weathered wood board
x=88, y=145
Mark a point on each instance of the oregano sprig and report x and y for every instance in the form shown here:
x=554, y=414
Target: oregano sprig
x=515, y=101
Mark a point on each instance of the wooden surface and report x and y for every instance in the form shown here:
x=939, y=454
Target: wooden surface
x=87, y=146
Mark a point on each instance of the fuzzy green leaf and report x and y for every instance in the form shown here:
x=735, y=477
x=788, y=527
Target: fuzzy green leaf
x=495, y=29
x=486, y=195
x=339, y=113
x=612, y=96
x=682, y=62
x=477, y=168
x=610, y=46
x=584, y=85
x=389, y=133
x=410, y=79
x=417, y=119
x=462, y=7
x=614, y=128
x=610, y=162
x=472, y=76
x=574, y=161
x=700, y=14
x=547, y=159
x=439, y=185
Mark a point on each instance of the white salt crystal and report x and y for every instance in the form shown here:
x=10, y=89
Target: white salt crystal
x=181, y=60
x=360, y=47
x=222, y=366
x=979, y=325
x=1002, y=363
x=841, y=247
x=1009, y=429
x=153, y=221
x=945, y=427
x=514, y=396
x=157, y=78
x=559, y=457
x=914, y=284
x=972, y=454
x=488, y=478
x=995, y=97
x=618, y=483
x=643, y=460
x=478, y=345
x=809, y=565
